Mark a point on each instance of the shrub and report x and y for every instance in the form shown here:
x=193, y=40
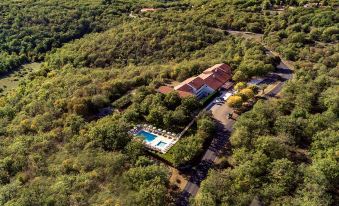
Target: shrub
x=234, y=101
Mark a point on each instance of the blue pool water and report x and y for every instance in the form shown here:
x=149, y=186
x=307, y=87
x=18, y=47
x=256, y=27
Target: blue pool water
x=147, y=136
x=161, y=144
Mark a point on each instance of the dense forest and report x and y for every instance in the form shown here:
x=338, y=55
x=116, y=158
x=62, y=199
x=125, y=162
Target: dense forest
x=30, y=28
x=56, y=150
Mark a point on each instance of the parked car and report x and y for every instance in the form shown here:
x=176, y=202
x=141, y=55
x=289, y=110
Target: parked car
x=219, y=100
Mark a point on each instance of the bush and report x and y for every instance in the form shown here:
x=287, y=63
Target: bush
x=240, y=86
x=235, y=101
x=246, y=94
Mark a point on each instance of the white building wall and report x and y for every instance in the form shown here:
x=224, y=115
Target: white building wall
x=204, y=91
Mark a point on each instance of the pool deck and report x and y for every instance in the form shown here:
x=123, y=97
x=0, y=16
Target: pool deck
x=159, y=138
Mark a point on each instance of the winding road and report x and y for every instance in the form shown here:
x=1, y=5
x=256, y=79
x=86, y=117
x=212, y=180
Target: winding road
x=225, y=127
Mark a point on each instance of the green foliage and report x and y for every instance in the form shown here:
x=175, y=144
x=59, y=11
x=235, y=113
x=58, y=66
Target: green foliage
x=10, y=61
x=109, y=134
x=141, y=42
x=136, y=177
x=205, y=101
x=165, y=111
x=30, y=29
x=56, y=151
x=302, y=28
x=246, y=94
x=235, y=101
x=240, y=85
x=188, y=148
x=296, y=128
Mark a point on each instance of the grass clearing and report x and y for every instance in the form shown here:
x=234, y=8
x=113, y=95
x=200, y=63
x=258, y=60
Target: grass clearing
x=11, y=80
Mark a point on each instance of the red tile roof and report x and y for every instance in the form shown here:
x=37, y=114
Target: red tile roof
x=214, y=77
x=228, y=85
x=183, y=83
x=185, y=88
x=223, y=67
x=183, y=94
x=190, y=84
x=165, y=89
x=213, y=82
x=197, y=83
x=168, y=89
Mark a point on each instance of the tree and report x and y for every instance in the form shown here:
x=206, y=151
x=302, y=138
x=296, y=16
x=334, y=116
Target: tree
x=315, y=34
x=266, y=4
x=263, y=87
x=78, y=106
x=247, y=93
x=297, y=37
x=138, y=176
x=273, y=147
x=187, y=149
x=240, y=86
x=190, y=103
x=152, y=192
x=105, y=2
x=329, y=100
x=179, y=116
x=99, y=101
x=132, y=114
x=74, y=122
x=134, y=149
x=4, y=176
x=234, y=101
x=172, y=100
x=239, y=76
x=283, y=178
x=110, y=134
x=168, y=119
x=330, y=34
x=241, y=137
x=156, y=114
x=206, y=124
x=143, y=161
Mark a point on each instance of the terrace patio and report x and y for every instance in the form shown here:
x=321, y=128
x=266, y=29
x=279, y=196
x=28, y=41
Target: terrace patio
x=154, y=138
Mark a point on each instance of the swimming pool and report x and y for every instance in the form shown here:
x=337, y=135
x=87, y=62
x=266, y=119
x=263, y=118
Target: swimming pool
x=161, y=144
x=147, y=136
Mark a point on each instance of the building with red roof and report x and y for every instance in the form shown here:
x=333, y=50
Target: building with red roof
x=168, y=89
x=206, y=83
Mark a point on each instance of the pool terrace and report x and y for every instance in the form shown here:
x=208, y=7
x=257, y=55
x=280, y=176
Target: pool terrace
x=153, y=138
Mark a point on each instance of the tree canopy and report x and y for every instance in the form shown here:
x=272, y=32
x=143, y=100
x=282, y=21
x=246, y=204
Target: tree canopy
x=99, y=56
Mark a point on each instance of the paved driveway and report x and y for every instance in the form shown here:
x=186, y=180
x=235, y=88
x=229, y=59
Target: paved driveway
x=224, y=128
x=220, y=113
